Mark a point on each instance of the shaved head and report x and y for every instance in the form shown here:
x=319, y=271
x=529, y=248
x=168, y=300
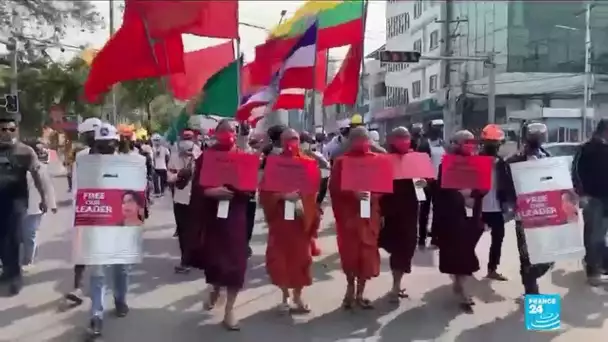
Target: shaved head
x=400, y=132
x=224, y=126
x=289, y=134
x=358, y=132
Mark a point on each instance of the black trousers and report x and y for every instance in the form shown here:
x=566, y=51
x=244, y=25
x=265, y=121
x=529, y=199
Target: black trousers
x=529, y=272
x=78, y=275
x=181, y=213
x=10, y=240
x=322, y=190
x=424, y=214
x=496, y=222
x=160, y=181
x=252, y=206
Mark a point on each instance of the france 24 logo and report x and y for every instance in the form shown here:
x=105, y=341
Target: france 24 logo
x=543, y=312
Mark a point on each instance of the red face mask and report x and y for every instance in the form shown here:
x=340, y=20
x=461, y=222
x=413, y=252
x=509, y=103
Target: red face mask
x=402, y=145
x=362, y=145
x=225, y=138
x=292, y=146
x=468, y=149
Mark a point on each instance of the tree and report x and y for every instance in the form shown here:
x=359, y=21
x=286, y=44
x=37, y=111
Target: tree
x=139, y=94
x=48, y=20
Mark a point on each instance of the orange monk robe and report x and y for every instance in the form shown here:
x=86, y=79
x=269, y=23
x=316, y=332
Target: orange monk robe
x=357, y=237
x=288, y=252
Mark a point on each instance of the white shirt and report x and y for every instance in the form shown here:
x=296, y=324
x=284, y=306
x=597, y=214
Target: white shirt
x=34, y=200
x=332, y=147
x=84, y=151
x=437, y=152
x=176, y=162
x=490, y=203
x=159, y=155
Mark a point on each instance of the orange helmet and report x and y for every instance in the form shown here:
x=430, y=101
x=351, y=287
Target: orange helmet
x=492, y=132
x=127, y=131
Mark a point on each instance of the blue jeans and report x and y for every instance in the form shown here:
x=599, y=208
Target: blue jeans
x=595, y=228
x=28, y=238
x=120, y=278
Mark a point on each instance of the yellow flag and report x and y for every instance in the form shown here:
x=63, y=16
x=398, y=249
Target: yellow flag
x=88, y=55
x=310, y=8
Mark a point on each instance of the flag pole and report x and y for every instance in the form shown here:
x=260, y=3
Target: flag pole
x=242, y=139
x=364, y=4
x=323, y=111
x=313, y=99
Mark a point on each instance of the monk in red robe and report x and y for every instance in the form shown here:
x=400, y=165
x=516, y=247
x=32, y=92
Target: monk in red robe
x=288, y=253
x=458, y=230
x=216, y=245
x=357, y=237
x=400, y=212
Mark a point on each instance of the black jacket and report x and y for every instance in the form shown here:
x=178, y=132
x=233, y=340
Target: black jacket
x=590, y=169
x=424, y=145
x=505, y=191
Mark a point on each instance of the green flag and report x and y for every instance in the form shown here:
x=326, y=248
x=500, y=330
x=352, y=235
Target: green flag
x=220, y=93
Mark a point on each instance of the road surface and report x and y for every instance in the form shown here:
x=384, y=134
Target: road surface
x=168, y=307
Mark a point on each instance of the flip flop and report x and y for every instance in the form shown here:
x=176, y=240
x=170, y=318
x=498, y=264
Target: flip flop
x=364, y=304
x=347, y=303
x=300, y=309
x=231, y=326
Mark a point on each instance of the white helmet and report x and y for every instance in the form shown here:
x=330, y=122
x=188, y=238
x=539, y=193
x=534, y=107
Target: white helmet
x=106, y=132
x=156, y=137
x=89, y=125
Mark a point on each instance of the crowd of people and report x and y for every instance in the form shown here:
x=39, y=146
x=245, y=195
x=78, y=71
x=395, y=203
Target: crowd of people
x=398, y=222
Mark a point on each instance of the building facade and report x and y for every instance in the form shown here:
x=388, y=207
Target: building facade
x=414, y=91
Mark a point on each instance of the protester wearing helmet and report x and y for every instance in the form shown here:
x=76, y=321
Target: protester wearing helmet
x=433, y=145
x=416, y=132
x=106, y=142
x=534, y=135
x=495, y=202
x=341, y=144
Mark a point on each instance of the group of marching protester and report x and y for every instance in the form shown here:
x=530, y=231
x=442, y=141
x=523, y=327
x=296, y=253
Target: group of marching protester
x=217, y=187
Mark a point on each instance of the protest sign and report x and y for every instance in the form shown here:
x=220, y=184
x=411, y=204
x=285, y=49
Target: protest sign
x=413, y=165
x=236, y=169
x=370, y=173
x=109, y=209
x=547, y=209
x=285, y=174
x=466, y=172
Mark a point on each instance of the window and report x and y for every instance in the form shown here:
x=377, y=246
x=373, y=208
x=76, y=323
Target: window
x=433, y=83
x=396, y=96
x=379, y=90
x=418, y=45
x=434, y=40
x=417, y=9
x=400, y=23
x=406, y=96
x=406, y=19
x=416, y=89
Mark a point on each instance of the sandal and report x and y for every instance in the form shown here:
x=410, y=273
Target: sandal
x=466, y=308
x=395, y=297
x=231, y=326
x=300, y=309
x=347, y=303
x=284, y=308
x=364, y=304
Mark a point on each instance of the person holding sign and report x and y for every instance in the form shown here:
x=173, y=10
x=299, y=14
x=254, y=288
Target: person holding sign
x=357, y=236
x=456, y=231
x=218, y=245
x=534, y=134
x=400, y=212
x=288, y=252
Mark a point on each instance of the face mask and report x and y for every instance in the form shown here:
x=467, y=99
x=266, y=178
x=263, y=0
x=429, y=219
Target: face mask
x=491, y=149
x=225, y=138
x=467, y=149
x=292, y=146
x=402, y=145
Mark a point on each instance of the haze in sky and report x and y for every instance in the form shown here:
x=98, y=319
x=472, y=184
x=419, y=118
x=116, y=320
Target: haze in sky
x=259, y=13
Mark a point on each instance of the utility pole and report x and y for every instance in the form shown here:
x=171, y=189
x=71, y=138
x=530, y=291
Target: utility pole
x=588, y=74
x=114, y=118
x=16, y=22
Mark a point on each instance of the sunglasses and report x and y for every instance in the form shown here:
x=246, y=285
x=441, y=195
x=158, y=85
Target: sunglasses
x=8, y=129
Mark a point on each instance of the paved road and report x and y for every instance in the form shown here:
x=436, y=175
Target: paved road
x=167, y=307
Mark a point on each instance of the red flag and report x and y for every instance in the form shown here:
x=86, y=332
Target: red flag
x=321, y=71
x=218, y=19
x=344, y=87
x=268, y=59
x=128, y=56
x=289, y=101
x=199, y=66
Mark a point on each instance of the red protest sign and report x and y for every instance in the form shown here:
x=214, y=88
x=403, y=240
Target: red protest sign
x=236, y=169
x=370, y=173
x=285, y=174
x=547, y=208
x=466, y=172
x=413, y=165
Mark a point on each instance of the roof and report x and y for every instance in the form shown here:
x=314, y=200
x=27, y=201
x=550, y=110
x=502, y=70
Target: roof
x=375, y=53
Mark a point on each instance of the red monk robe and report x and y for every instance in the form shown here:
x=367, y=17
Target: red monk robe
x=357, y=237
x=288, y=252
